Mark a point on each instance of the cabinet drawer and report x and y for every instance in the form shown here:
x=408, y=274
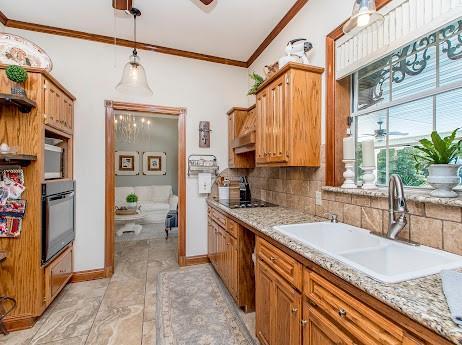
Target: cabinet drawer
x=280, y=262
x=232, y=228
x=57, y=274
x=362, y=322
x=219, y=218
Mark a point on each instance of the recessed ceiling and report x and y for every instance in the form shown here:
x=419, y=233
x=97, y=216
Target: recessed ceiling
x=231, y=29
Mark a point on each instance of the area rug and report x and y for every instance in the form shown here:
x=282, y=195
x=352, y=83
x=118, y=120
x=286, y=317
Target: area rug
x=194, y=308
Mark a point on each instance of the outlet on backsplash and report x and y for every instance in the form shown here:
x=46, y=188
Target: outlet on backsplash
x=319, y=198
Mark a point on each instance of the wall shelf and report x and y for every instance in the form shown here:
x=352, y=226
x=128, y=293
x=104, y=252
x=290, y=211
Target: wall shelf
x=11, y=159
x=24, y=104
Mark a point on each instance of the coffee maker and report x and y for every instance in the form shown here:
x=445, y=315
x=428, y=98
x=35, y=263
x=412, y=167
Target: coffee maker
x=244, y=189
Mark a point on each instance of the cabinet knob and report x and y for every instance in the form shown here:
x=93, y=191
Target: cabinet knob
x=294, y=310
x=273, y=259
x=304, y=323
x=342, y=312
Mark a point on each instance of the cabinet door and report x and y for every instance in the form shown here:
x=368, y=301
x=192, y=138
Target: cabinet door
x=264, y=286
x=277, y=121
x=52, y=104
x=318, y=330
x=230, y=140
x=67, y=116
x=211, y=241
x=261, y=130
x=287, y=314
x=232, y=266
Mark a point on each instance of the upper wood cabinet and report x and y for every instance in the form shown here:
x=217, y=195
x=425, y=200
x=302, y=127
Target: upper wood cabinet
x=58, y=107
x=288, y=110
x=241, y=137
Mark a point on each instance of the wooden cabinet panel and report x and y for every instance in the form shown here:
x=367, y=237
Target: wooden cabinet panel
x=288, y=122
x=278, y=308
x=318, y=330
x=57, y=274
x=52, y=104
x=68, y=114
x=262, y=129
x=280, y=262
x=264, y=285
x=287, y=309
x=241, y=120
x=358, y=319
x=230, y=251
x=276, y=122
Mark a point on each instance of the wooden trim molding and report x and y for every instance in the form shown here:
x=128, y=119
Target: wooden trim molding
x=337, y=108
x=84, y=276
x=195, y=260
x=17, y=24
x=277, y=30
x=19, y=323
x=111, y=107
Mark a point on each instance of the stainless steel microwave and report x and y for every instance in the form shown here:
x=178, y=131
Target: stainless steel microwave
x=54, y=159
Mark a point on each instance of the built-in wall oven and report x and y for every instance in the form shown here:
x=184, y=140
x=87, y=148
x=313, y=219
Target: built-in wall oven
x=58, y=217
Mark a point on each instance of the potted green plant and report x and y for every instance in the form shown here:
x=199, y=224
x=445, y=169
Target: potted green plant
x=132, y=200
x=18, y=76
x=258, y=80
x=440, y=156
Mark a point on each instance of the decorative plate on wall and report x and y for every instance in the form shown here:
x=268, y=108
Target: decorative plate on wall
x=16, y=50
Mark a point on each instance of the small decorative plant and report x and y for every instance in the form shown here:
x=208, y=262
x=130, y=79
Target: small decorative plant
x=132, y=198
x=258, y=80
x=439, y=150
x=18, y=75
x=440, y=156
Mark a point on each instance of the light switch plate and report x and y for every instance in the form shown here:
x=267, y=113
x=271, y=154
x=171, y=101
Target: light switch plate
x=319, y=198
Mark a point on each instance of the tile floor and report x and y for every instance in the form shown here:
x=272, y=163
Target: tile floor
x=116, y=311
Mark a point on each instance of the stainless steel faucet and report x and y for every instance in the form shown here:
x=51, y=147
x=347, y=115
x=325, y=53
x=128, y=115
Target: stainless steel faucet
x=397, y=207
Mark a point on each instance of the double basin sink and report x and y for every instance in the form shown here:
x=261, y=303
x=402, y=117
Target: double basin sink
x=382, y=259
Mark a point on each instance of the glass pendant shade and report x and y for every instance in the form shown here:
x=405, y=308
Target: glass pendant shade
x=364, y=14
x=134, y=79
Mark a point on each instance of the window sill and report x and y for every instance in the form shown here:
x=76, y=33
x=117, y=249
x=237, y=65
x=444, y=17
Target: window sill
x=410, y=194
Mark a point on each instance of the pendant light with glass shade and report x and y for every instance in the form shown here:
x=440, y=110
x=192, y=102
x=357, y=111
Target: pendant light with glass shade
x=134, y=79
x=364, y=14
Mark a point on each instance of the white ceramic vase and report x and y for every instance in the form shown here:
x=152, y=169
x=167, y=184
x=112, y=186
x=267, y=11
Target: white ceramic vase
x=443, y=177
x=131, y=204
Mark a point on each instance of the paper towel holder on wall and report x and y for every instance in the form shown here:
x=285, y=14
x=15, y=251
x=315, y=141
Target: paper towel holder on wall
x=202, y=164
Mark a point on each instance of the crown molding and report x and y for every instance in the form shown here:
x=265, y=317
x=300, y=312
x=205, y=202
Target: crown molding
x=277, y=30
x=16, y=24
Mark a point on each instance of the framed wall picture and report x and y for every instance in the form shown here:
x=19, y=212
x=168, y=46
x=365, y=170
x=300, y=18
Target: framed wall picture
x=154, y=163
x=127, y=163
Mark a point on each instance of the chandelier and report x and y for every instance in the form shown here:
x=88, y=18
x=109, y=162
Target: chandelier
x=130, y=128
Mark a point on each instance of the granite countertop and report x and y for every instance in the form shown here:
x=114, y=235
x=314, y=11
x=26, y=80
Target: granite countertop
x=414, y=195
x=421, y=299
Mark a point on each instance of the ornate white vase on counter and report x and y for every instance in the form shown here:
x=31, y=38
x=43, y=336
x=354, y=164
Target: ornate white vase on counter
x=443, y=177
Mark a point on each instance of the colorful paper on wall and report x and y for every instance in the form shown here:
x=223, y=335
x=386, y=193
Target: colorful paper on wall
x=10, y=226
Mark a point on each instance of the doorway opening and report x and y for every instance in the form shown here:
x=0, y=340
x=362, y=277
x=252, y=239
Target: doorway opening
x=145, y=176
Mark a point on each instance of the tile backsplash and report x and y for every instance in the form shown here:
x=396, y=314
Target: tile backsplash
x=438, y=226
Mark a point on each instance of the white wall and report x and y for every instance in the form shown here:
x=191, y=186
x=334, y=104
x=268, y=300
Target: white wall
x=314, y=22
x=90, y=71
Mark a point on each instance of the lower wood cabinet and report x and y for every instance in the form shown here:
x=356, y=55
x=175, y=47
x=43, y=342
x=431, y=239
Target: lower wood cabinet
x=230, y=249
x=322, y=315
x=278, y=308
x=57, y=274
x=319, y=330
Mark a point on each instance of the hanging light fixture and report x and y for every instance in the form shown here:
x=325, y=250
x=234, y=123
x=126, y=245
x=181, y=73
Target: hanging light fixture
x=134, y=79
x=364, y=14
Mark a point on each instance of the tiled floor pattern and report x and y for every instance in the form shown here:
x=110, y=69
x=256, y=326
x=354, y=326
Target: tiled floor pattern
x=116, y=311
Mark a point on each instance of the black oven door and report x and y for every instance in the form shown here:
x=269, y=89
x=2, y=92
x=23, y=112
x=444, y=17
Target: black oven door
x=58, y=223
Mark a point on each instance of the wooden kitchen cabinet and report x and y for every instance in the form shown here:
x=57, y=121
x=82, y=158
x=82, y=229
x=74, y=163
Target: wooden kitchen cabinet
x=288, y=110
x=319, y=330
x=241, y=137
x=278, y=308
x=230, y=251
x=58, y=108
